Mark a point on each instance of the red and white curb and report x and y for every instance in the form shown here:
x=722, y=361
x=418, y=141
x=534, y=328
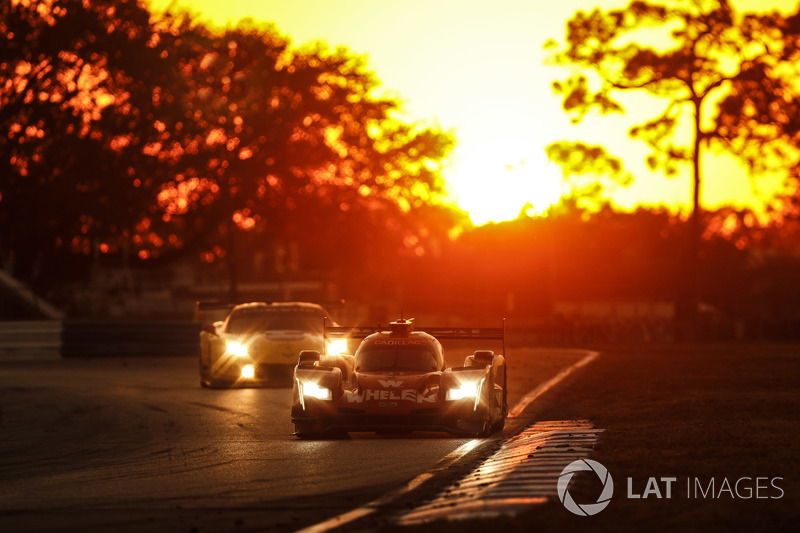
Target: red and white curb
x=523, y=472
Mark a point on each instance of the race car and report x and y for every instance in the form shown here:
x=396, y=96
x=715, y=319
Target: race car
x=397, y=382
x=258, y=343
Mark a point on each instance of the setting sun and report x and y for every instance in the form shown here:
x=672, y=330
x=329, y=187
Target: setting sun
x=495, y=181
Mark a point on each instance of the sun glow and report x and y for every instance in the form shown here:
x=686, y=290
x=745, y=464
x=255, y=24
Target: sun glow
x=498, y=83
x=495, y=181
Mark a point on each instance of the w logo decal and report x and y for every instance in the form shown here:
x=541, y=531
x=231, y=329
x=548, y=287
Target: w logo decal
x=390, y=384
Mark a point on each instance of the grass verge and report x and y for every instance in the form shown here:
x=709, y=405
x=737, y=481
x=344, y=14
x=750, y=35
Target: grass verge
x=693, y=412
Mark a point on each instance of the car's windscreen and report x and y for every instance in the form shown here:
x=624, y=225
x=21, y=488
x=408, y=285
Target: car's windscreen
x=250, y=322
x=404, y=358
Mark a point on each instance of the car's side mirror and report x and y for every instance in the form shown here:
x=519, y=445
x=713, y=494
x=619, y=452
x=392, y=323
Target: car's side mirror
x=308, y=358
x=483, y=355
x=209, y=328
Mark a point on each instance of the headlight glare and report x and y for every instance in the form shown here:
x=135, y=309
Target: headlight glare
x=248, y=371
x=337, y=346
x=236, y=348
x=468, y=389
x=312, y=390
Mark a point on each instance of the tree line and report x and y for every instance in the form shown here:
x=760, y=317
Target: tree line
x=143, y=137
x=128, y=138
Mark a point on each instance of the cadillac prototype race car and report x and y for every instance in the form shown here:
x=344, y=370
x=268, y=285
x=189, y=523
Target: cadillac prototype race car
x=258, y=343
x=397, y=383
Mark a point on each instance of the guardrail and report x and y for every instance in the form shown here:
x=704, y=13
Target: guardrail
x=50, y=340
x=111, y=338
x=30, y=340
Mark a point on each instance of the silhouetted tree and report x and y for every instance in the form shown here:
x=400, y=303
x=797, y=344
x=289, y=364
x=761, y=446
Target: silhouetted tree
x=590, y=171
x=759, y=115
x=291, y=148
x=706, y=50
x=84, y=85
x=120, y=130
x=707, y=47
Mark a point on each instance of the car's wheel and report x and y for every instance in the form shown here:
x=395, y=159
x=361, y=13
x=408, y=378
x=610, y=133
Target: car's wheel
x=499, y=425
x=505, y=393
x=502, y=411
x=205, y=378
x=306, y=430
x=217, y=383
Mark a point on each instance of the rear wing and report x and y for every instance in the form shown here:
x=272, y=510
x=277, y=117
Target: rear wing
x=207, y=312
x=441, y=333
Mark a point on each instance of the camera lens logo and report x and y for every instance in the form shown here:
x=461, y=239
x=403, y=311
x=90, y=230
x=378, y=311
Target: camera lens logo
x=587, y=509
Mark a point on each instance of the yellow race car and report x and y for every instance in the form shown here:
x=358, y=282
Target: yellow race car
x=258, y=343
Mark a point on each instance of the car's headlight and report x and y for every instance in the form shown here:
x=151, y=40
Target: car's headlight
x=236, y=348
x=312, y=390
x=248, y=371
x=468, y=389
x=337, y=346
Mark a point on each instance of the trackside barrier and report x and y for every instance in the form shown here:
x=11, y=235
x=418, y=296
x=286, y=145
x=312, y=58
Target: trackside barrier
x=53, y=339
x=30, y=340
x=91, y=338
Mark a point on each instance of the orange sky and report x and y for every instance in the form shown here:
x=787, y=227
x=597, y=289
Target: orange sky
x=476, y=68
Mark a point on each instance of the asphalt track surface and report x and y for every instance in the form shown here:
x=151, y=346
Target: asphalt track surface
x=135, y=444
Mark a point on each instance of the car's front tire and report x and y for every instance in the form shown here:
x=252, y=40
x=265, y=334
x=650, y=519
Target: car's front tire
x=210, y=383
x=499, y=425
x=486, y=430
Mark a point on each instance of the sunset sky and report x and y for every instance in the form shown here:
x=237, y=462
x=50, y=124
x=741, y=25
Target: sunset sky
x=477, y=68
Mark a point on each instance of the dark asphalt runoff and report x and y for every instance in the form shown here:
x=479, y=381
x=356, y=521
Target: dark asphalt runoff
x=136, y=444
